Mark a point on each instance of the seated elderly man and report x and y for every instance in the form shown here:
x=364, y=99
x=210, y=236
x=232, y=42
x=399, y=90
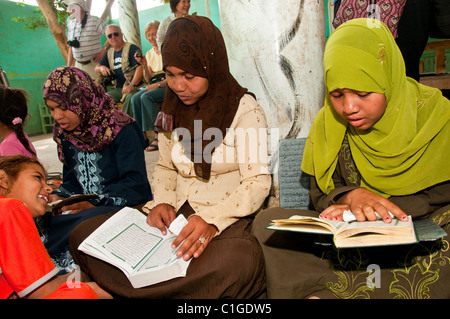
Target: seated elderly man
x=120, y=62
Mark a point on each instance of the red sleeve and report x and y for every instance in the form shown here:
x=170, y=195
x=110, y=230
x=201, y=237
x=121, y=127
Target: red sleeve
x=24, y=261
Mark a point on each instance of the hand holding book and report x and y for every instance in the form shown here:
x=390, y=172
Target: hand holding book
x=192, y=240
x=72, y=204
x=365, y=205
x=363, y=234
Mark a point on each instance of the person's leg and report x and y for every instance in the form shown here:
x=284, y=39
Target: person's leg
x=413, y=33
x=116, y=94
x=295, y=263
x=127, y=108
x=150, y=110
x=90, y=69
x=232, y=266
x=136, y=105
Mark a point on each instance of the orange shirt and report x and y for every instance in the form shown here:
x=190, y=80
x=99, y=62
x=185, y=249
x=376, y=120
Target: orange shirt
x=24, y=261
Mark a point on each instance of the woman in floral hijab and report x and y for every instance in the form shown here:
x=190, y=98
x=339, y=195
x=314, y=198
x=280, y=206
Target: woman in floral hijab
x=101, y=151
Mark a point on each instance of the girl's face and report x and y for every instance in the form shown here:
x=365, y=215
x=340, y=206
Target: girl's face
x=360, y=109
x=67, y=119
x=182, y=8
x=189, y=88
x=31, y=188
x=150, y=35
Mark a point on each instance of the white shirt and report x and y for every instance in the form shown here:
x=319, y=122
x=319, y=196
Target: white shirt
x=89, y=37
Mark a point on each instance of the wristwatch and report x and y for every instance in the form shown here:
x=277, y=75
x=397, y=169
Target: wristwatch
x=132, y=84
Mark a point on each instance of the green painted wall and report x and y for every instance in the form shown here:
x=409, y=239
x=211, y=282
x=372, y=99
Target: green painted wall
x=161, y=12
x=28, y=56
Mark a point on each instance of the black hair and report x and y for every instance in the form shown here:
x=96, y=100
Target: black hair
x=14, y=105
x=173, y=5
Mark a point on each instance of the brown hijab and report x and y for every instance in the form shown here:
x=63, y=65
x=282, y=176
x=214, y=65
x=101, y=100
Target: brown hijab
x=195, y=45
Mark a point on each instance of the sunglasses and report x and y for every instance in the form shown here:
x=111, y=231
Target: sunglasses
x=116, y=34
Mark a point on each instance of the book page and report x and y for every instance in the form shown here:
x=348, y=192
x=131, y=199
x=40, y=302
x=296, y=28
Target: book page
x=164, y=255
x=307, y=224
x=125, y=240
x=124, y=245
x=394, y=228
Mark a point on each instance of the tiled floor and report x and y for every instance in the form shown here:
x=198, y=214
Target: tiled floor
x=46, y=152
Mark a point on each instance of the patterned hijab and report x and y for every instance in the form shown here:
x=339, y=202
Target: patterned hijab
x=195, y=45
x=406, y=150
x=100, y=120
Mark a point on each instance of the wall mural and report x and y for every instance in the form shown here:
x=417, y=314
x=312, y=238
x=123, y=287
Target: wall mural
x=275, y=49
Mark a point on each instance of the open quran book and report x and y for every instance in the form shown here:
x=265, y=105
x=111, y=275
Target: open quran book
x=362, y=234
x=143, y=254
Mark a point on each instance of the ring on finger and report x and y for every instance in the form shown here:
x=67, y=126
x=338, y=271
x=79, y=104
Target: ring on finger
x=202, y=240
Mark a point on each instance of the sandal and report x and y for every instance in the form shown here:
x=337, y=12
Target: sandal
x=152, y=147
x=146, y=143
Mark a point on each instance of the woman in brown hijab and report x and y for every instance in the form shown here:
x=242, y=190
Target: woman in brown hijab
x=213, y=169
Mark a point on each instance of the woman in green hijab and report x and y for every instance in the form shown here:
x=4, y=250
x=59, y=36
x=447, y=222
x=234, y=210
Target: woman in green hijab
x=379, y=145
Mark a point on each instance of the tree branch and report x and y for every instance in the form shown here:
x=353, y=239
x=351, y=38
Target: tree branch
x=55, y=28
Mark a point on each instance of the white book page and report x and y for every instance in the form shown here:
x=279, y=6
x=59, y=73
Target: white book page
x=124, y=240
x=133, y=245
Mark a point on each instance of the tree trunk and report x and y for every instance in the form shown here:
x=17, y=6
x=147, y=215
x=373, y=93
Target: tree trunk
x=56, y=29
x=107, y=10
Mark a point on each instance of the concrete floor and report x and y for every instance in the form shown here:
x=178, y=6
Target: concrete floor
x=46, y=152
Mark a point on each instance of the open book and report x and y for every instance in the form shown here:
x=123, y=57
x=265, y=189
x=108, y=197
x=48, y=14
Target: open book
x=143, y=254
x=362, y=234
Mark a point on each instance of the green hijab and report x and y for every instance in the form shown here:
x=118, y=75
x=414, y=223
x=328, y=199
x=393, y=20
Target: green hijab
x=407, y=149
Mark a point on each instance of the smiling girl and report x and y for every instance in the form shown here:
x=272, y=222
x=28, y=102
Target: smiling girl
x=26, y=270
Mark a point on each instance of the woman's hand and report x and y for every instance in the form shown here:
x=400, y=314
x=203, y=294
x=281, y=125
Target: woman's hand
x=363, y=204
x=196, y=236
x=141, y=59
x=53, y=198
x=151, y=87
x=77, y=207
x=163, y=215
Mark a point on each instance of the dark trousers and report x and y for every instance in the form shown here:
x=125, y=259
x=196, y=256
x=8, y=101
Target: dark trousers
x=413, y=34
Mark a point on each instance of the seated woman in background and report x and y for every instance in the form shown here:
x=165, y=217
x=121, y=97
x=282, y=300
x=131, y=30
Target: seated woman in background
x=26, y=269
x=217, y=184
x=13, y=112
x=379, y=144
x=101, y=151
x=145, y=102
